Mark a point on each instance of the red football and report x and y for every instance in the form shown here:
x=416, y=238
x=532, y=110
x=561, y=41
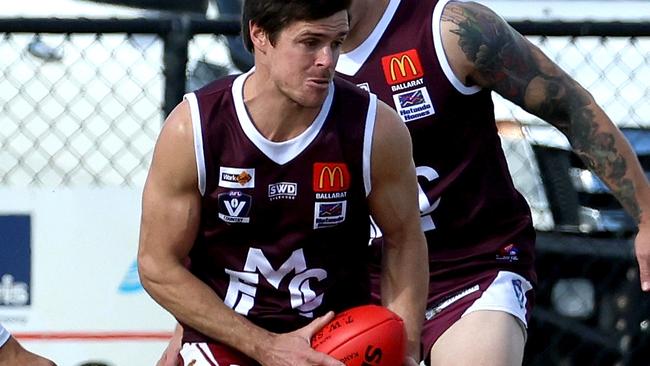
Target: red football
x=368, y=335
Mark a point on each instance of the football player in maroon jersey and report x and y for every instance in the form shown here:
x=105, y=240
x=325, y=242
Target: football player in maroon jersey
x=266, y=181
x=436, y=62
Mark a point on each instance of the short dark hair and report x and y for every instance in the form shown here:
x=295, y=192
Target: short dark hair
x=274, y=15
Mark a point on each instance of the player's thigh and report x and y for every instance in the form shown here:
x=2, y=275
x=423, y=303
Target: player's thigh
x=481, y=338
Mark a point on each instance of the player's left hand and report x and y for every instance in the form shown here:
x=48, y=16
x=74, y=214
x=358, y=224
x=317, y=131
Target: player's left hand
x=642, y=251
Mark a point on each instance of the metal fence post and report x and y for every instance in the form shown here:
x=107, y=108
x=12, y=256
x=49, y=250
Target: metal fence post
x=175, y=61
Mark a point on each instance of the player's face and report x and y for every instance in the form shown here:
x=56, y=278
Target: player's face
x=303, y=59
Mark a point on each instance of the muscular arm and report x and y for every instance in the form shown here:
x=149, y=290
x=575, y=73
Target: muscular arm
x=170, y=220
x=485, y=51
x=394, y=207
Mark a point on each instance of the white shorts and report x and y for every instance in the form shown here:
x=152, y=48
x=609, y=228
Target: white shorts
x=506, y=293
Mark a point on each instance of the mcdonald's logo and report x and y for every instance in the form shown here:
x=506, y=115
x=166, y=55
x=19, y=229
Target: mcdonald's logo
x=331, y=177
x=402, y=67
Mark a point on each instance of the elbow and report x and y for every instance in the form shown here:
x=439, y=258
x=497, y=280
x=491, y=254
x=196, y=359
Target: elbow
x=148, y=270
x=157, y=270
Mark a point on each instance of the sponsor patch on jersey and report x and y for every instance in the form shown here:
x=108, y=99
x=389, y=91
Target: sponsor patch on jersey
x=331, y=195
x=331, y=177
x=508, y=253
x=234, y=207
x=15, y=261
x=402, y=67
x=408, y=85
x=328, y=214
x=413, y=104
x=236, y=177
x=283, y=190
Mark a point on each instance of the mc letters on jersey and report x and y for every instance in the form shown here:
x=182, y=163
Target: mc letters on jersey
x=242, y=288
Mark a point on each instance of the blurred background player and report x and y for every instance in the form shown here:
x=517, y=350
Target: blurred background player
x=478, y=227
x=13, y=354
x=266, y=180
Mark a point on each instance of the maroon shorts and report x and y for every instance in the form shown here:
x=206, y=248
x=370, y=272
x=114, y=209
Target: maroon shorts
x=496, y=291
x=213, y=354
x=465, y=291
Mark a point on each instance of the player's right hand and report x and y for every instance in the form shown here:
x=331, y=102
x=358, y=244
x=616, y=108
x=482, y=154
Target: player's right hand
x=168, y=358
x=294, y=349
x=171, y=355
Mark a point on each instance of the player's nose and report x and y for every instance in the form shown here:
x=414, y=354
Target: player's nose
x=326, y=57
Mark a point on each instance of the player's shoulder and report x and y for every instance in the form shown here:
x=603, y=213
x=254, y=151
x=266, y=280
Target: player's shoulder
x=177, y=126
x=348, y=88
x=216, y=87
x=390, y=131
x=351, y=99
x=468, y=10
x=384, y=113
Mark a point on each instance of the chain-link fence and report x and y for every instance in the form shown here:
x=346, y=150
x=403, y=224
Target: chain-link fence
x=82, y=101
x=81, y=104
x=590, y=310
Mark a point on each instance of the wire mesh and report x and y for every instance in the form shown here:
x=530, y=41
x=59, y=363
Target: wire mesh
x=85, y=110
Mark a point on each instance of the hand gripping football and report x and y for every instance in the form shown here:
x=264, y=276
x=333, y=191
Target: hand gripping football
x=367, y=335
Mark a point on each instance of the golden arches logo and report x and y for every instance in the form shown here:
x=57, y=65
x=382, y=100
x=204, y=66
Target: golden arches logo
x=332, y=173
x=331, y=177
x=401, y=65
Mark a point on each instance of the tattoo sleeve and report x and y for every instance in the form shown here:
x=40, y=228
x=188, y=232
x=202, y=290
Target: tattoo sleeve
x=507, y=63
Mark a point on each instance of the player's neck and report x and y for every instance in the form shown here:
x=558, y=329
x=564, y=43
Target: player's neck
x=364, y=16
x=274, y=115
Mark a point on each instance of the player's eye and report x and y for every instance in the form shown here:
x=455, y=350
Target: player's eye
x=310, y=42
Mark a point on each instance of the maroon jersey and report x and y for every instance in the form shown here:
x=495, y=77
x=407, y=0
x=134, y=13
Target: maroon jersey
x=473, y=217
x=284, y=225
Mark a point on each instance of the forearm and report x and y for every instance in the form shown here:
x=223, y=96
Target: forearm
x=519, y=71
x=604, y=150
x=405, y=291
x=194, y=303
x=561, y=101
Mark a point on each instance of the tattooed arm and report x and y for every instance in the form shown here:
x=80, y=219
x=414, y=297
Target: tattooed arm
x=484, y=50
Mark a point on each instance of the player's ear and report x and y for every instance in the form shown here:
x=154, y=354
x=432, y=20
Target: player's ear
x=259, y=37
